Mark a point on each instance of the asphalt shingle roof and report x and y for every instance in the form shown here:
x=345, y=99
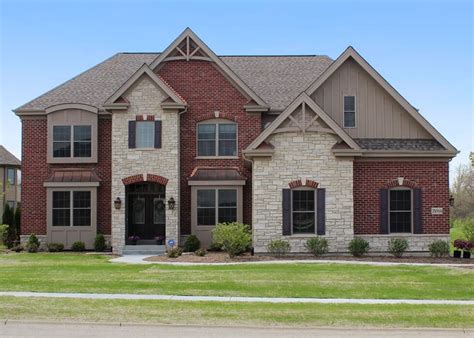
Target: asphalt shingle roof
x=399, y=144
x=7, y=158
x=276, y=79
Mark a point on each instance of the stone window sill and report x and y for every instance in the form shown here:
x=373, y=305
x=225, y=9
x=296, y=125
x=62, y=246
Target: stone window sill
x=216, y=157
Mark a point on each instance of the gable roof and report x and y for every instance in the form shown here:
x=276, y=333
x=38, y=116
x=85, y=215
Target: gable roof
x=302, y=98
x=350, y=52
x=7, y=158
x=144, y=70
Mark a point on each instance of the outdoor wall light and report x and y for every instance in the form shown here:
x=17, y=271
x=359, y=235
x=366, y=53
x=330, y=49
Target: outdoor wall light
x=451, y=200
x=117, y=203
x=171, y=203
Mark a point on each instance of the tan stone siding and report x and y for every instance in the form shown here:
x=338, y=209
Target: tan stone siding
x=416, y=243
x=299, y=156
x=145, y=99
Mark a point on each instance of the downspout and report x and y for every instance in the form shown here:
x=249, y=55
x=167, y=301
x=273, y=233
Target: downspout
x=179, y=173
x=253, y=209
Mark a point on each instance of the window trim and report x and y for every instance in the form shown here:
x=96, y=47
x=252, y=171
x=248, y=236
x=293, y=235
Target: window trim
x=216, y=203
x=216, y=122
x=411, y=211
x=315, y=212
x=71, y=208
x=136, y=136
x=71, y=141
x=344, y=112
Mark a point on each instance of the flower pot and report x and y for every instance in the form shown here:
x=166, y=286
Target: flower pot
x=457, y=254
x=466, y=254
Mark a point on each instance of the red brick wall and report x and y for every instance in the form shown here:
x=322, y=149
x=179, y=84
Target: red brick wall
x=35, y=171
x=206, y=90
x=369, y=177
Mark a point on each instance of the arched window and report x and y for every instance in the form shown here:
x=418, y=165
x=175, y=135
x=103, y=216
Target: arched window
x=400, y=207
x=217, y=137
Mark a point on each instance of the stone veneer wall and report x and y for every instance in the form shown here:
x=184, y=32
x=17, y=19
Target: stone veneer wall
x=416, y=243
x=299, y=156
x=145, y=99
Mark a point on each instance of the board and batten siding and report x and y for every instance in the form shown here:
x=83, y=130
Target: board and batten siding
x=378, y=115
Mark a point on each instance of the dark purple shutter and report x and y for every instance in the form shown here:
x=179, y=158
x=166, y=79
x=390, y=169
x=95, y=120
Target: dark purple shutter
x=384, y=211
x=321, y=211
x=417, y=211
x=286, y=207
x=157, y=134
x=131, y=134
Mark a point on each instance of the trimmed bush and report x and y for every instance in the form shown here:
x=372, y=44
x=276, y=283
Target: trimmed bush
x=279, y=247
x=358, y=247
x=439, y=248
x=33, y=244
x=200, y=252
x=174, y=252
x=55, y=247
x=317, y=245
x=3, y=234
x=215, y=247
x=78, y=246
x=8, y=218
x=397, y=246
x=99, y=243
x=235, y=237
x=191, y=244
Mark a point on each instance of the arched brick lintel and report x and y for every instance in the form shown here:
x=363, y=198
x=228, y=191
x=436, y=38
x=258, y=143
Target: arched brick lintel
x=142, y=178
x=212, y=116
x=299, y=183
x=400, y=182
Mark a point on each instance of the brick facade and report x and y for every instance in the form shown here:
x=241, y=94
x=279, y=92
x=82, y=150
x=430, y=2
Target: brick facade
x=206, y=91
x=36, y=171
x=371, y=176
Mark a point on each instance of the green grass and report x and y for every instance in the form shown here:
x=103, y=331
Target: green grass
x=208, y=313
x=93, y=273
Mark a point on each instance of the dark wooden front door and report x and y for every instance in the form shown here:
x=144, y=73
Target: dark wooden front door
x=146, y=212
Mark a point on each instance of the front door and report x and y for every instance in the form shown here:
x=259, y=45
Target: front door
x=146, y=213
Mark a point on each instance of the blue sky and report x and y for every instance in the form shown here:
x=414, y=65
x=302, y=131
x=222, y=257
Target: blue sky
x=423, y=48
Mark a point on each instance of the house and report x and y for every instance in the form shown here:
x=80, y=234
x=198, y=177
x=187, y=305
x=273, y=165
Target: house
x=163, y=145
x=10, y=180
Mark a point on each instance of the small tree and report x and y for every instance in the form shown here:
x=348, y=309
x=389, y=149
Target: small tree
x=17, y=220
x=9, y=219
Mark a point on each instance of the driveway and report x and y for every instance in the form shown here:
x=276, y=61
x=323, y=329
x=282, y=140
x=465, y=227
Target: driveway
x=73, y=330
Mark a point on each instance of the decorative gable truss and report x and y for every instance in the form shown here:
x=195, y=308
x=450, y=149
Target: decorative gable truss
x=118, y=102
x=188, y=47
x=303, y=115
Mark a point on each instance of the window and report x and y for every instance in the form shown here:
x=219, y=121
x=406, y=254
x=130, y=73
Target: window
x=72, y=141
x=217, y=139
x=18, y=177
x=11, y=176
x=145, y=134
x=349, y=112
x=216, y=206
x=303, y=211
x=71, y=208
x=400, y=207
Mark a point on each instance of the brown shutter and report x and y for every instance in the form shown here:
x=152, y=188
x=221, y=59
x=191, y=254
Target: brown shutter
x=417, y=211
x=131, y=134
x=286, y=207
x=157, y=134
x=321, y=211
x=384, y=211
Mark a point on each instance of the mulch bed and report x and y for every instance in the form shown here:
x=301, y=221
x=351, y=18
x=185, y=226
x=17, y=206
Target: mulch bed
x=222, y=257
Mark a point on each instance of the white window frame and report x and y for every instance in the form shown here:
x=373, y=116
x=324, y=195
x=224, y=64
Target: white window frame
x=71, y=141
x=390, y=211
x=315, y=211
x=153, y=135
x=349, y=111
x=217, y=122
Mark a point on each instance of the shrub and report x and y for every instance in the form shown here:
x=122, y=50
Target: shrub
x=200, y=252
x=279, y=247
x=33, y=244
x=215, y=247
x=439, y=248
x=17, y=221
x=235, y=237
x=174, y=252
x=358, y=247
x=191, y=244
x=99, y=243
x=17, y=247
x=3, y=233
x=317, y=245
x=397, y=246
x=8, y=218
x=468, y=228
x=55, y=247
x=78, y=246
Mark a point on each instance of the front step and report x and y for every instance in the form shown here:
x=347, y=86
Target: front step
x=144, y=250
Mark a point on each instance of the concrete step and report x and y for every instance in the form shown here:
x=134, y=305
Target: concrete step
x=144, y=250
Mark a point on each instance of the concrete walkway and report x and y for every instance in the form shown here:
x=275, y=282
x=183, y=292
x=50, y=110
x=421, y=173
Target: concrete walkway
x=233, y=299
x=140, y=259
x=15, y=328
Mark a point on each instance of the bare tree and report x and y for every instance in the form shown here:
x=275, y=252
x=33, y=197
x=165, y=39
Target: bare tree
x=463, y=192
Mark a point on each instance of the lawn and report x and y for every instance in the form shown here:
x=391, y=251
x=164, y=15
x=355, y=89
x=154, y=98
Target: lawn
x=209, y=313
x=67, y=272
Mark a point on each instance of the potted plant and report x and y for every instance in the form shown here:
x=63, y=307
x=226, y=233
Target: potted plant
x=133, y=239
x=160, y=240
x=459, y=246
x=468, y=246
